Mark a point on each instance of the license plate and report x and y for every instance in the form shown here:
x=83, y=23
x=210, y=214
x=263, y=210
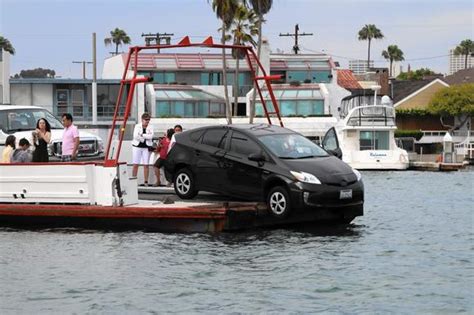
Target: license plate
x=345, y=194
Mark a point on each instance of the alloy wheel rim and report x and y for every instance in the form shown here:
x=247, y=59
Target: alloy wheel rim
x=183, y=184
x=277, y=202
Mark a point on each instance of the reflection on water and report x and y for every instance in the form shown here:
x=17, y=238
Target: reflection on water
x=412, y=252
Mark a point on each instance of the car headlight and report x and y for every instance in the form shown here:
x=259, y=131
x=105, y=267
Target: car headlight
x=357, y=174
x=305, y=177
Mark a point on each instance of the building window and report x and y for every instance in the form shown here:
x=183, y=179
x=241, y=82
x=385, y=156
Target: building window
x=319, y=76
x=164, y=77
x=107, y=95
x=374, y=140
x=191, y=109
x=62, y=102
x=293, y=107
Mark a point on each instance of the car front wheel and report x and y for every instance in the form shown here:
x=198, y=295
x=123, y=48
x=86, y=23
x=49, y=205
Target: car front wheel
x=184, y=184
x=278, y=202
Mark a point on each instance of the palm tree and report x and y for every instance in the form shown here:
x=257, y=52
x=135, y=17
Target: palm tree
x=261, y=7
x=243, y=28
x=118, y=37
x=225, y=11
x=465, y=48
x=369, y=32
x=393, y=53
x=6, y=45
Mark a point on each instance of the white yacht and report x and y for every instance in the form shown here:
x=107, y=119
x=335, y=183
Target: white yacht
x=364, y=136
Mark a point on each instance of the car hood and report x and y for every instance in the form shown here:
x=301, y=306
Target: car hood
x=329, y=170
x=56, y=135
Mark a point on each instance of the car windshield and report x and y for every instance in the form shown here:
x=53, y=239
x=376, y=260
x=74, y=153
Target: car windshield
x=25, y=119
x=292, y=146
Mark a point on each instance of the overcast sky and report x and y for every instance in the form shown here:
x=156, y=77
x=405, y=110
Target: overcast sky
x=53, y=33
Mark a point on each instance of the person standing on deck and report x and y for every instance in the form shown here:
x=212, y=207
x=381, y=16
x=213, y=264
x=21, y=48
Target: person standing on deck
x=142, y=141
x=8, y=149
x=177, y=129
x=70, y=144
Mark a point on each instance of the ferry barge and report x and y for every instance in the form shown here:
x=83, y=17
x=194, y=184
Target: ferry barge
x=102, y=195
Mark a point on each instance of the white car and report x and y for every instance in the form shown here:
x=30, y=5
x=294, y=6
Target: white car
x=20, y=121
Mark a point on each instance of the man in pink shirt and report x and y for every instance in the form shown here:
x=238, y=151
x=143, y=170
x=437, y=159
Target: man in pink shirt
x=70, y=143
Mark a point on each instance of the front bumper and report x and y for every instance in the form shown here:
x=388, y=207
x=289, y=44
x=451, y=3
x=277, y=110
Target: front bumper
x=309, y=197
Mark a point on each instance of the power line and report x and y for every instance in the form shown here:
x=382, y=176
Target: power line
x=157, y=38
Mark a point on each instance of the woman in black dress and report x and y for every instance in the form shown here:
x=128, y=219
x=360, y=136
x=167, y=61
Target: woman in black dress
x=41, y=139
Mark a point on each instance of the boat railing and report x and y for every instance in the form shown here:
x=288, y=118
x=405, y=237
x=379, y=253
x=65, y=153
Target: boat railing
x=442, y=133
x=371, y=115
x=465, y=148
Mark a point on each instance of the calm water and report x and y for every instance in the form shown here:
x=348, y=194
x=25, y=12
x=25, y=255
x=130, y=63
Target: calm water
x=413, y=252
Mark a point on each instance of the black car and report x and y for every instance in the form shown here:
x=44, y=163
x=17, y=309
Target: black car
x=263, y=163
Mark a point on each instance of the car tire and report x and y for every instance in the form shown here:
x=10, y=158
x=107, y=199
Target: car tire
x=278, y=202
x=184, y=184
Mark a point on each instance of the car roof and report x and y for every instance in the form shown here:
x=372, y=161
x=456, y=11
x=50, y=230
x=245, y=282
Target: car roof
x=10, y=107
x=254, y=129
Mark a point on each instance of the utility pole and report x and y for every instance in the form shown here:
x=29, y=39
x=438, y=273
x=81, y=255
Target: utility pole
x=296, y=48
x=83, y=62
x=94, y=79
x=157, y=38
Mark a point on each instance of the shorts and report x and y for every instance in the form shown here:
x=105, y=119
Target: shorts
x=141, y=156
x=159, y=163
x=66, y=158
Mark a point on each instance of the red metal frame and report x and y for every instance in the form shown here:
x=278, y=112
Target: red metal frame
x=111, y=158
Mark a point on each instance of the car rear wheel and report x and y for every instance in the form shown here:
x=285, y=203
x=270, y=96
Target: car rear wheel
x=278, y=202
x=184, y=185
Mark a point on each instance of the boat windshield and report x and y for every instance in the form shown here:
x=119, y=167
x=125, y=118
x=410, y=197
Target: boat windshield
x=25, y=119
x=292, y=146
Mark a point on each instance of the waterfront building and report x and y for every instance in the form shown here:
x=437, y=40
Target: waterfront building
x=359, y=66
x=457, y=63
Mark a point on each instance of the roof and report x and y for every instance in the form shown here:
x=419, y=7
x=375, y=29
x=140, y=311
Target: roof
x=460, y=77
x=421, y=88
x=61, y=81
x=9, y=107
x=347, y=80
x=403, y=88
x=260, y=129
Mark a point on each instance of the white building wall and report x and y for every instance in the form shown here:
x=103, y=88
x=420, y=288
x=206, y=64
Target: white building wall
x=33, y=94
x=43, y=96
x=21, y=94
x=113, y=67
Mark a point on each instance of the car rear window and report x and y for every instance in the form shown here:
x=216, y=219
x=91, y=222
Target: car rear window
x=196, y=136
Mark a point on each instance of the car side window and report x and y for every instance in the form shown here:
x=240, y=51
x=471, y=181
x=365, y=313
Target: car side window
x=196, y=136
x=215, y=138
x=330, y=140
x=241, y=144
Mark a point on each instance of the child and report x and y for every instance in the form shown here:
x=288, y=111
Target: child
x=8, y=150
x=162, y=149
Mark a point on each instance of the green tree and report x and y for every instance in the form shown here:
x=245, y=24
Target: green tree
x=393, y=53
x=456, y=101
x=261, y=7
x=225, y=11
x=117, y=37
x=242, y=30
x=36, y=73
x=6, y=45
x=465, y=48
x=369, y=32
x=418, y=74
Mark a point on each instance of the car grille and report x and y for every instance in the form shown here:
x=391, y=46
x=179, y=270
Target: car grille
x=86, y=148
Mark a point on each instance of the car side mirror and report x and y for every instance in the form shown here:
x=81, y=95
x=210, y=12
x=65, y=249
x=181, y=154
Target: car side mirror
x=257, y=157
x=336, y=152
